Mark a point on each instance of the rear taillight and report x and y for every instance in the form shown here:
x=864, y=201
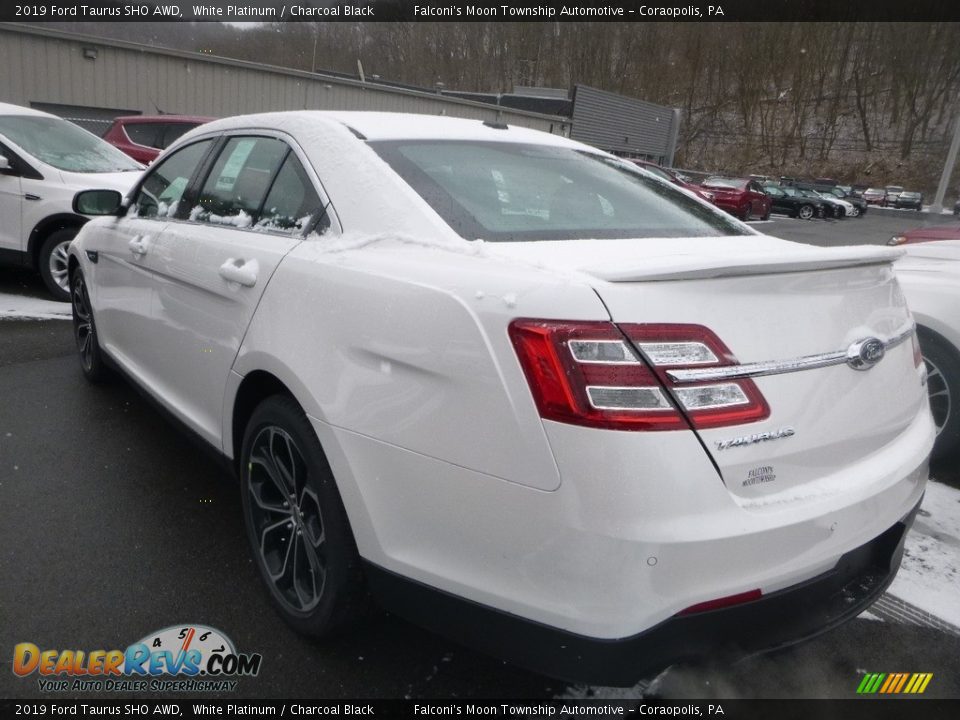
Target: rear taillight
x=589, y=373
x=708, y=404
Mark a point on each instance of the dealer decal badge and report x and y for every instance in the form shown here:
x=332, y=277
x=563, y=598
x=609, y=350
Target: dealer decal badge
x=179, y=658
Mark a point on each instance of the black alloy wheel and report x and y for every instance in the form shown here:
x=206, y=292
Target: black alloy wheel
x=85, y=331
x=296, y=522
x=943, y=389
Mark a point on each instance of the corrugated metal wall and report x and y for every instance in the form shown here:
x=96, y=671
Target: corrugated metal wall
x=50, y=67
x=624, y=125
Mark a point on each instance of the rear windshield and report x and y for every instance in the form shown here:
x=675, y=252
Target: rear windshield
x=64, y=145
x=504, y=192
x=718, y=182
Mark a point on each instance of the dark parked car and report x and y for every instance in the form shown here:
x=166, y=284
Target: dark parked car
x=892, y=193
x=859, y=204
x=143, y=137
x=792, y=202
x=831, y=209
x=741, y=197
x=911, y=200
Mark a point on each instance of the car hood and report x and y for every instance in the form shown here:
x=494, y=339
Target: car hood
x=121, y=181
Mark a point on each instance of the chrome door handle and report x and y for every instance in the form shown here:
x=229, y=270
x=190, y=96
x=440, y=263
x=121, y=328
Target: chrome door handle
x=138, y=246
x=240, y=271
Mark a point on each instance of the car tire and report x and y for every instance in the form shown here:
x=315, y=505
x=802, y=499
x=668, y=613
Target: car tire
x=744, y=213
x=766, y=214
x=806, y=212
x=296, y=523
x=943, y=387
x=856, y=211
x=85, y=331
x=53, y=265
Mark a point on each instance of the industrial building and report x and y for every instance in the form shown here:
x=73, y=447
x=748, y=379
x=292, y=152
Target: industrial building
x=93, y=80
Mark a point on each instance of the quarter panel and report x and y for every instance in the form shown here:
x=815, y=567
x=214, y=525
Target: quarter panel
x=409, y=345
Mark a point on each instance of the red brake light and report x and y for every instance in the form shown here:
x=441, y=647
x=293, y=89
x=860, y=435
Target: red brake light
x=723, y=602
x=612, y=391
x=708, y=404
x=589, y=373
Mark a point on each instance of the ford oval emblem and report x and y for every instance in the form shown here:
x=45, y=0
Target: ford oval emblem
x=864, y=354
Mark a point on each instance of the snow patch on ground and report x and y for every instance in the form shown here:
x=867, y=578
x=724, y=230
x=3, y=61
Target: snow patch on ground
x=930, y=574
x=23, y=307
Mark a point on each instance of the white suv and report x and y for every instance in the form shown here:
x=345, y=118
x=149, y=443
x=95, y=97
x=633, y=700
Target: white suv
x=44, y=162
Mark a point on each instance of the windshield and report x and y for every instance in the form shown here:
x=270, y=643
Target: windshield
x=64, y=145
x=506, y=192
x=718, y=182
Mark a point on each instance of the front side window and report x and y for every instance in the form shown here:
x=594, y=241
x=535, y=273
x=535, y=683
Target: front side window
x=64, y=145
x=160, y=193
x=239, y=182
x=504, y=192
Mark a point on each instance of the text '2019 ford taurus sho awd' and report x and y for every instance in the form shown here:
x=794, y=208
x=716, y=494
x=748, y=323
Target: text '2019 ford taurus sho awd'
x=546, y=403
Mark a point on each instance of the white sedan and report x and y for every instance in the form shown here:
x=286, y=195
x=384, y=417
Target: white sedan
x=930, y=276
x=555, y=408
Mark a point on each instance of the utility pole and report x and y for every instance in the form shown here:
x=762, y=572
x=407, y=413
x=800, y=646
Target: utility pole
x=937, y=206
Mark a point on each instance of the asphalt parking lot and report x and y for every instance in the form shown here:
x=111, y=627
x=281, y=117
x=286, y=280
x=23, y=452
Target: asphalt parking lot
x=113, y=525
x=874, y=228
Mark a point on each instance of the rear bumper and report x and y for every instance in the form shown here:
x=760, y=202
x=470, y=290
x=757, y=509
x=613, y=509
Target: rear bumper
x=777, y=620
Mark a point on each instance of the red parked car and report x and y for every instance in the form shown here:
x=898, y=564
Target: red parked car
x=671, y=176
x=741, y=197
x=875, y=196
x=143, y=137
x=926, y=234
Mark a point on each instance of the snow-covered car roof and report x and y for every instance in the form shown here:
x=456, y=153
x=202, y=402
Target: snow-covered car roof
x=393, y=126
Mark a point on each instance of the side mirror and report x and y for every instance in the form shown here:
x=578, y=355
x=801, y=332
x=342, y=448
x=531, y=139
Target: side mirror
x=97, y=202
x=5, y=165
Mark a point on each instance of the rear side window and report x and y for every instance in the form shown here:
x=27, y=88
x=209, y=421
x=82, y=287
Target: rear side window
x=240, y=179
x=146, y=134
x=502, y=192
x=173, y=131
x=160, y=193
x=291, y=203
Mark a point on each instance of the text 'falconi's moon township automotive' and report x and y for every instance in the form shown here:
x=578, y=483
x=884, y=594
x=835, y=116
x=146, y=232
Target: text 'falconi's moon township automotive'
x=485, y=374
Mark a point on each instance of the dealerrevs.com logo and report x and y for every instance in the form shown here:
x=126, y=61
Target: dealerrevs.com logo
x=180, y=658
